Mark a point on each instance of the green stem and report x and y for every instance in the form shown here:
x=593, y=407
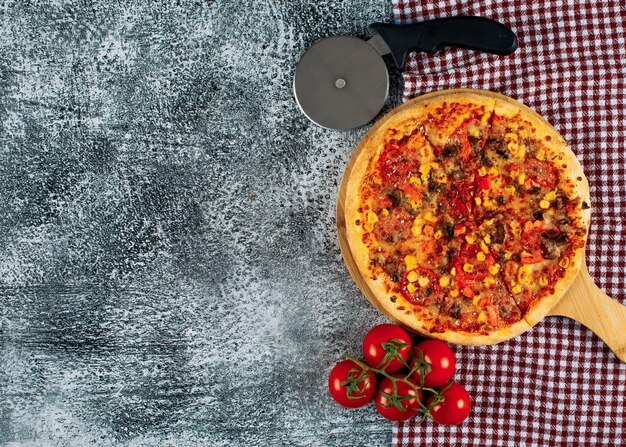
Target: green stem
x=424, y=369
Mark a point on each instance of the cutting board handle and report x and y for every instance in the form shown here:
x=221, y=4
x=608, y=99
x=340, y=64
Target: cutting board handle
x=590, y=306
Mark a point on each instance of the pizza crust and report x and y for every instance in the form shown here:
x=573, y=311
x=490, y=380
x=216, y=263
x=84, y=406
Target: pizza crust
x=396, y=306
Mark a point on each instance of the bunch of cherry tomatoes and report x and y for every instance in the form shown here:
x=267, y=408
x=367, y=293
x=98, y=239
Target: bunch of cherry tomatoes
x=404, y=380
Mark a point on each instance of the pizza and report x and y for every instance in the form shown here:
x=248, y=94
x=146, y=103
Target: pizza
x=466, y=215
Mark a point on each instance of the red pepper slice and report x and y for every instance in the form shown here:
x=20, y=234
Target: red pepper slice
x=411, y=190
x=484, y=183
x=530, y=258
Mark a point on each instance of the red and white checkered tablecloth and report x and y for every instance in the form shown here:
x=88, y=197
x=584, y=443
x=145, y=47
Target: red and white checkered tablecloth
x=558, y=384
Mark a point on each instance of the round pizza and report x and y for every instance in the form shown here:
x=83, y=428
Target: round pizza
x=466, y=215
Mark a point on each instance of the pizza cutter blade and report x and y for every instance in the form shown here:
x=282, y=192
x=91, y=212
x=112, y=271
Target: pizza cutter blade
x=342, y=82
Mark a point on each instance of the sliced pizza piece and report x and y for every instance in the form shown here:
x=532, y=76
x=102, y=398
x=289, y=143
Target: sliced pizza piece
x=545, y=189
x=386, y=207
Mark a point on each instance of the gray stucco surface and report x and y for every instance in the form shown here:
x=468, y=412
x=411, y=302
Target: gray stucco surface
x=169, y=269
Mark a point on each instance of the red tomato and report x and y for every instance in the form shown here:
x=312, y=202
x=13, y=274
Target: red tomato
x=541, y=172
x=385, y=345
x=454, y=409
x=386, y=405
x=441, y=360
x=396, y=163
x=350, y=386
x=396, y=226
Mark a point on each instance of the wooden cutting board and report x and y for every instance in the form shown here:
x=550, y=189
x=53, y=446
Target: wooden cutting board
x=583, y=302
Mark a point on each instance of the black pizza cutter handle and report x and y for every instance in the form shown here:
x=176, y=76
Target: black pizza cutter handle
x=469, y=32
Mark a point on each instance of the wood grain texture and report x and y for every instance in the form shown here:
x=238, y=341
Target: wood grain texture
x=590, y=306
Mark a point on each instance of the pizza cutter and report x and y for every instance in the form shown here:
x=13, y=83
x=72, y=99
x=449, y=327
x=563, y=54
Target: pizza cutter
x=341, y=82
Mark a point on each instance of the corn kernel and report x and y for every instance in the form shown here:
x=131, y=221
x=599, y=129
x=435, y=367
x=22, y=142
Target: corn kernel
x=470, y=239
x=523, y=274
x=493, y=171
x=511, y=136
x=494, y=269
x=415, y=205
x=453, y=271
x=489, y=204
x=489, y=280
x=482, y=316
x=508, y=255
x=478, y=200
x=521, y=179
x=551, y=196
x=454, y=293
x=482, y=171
x=438, y=235
x=372, y=218
x=543, y=281
x=385, y=212
x=544, y=204
x=509, y=189
x=429, y=217
x=423, y=281
x=442, y=178
x=476, y=300
x=459, y=231
x=517, y=289
x=564, y=263
x=444, y=281
x=487, y=239
x=411, y=262
x=415, y=180
x=480, y=256
x=484, y=247
x=410, y=287
x=425, y=170
x=474, y=132
x=469, y=268
x=412, y=276
x=540, y=154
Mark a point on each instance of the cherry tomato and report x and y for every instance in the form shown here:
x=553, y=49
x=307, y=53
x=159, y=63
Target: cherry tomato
x=384, y=345
x=441, y=360
x=386, y=405
x=350, y=386
x=454, y=409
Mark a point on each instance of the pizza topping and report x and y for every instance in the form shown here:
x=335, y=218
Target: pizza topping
x=476, y=226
